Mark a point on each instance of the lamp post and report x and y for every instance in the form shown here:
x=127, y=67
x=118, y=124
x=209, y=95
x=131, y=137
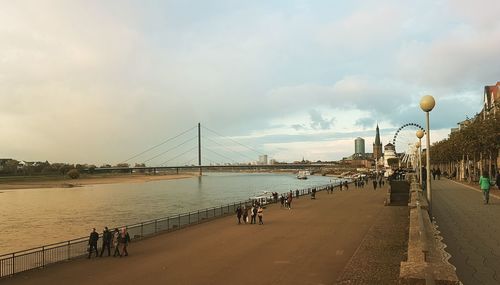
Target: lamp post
x=427, y=103
x=418, y=166
x=420, y=135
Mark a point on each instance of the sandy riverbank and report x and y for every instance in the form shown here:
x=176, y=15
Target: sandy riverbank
x=62, y=182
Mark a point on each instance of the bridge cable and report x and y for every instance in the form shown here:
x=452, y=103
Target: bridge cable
x=221, y=155
x=252, y=149
x=162, y=143
x=246, y=156
x=163, y=164
x=162, y=153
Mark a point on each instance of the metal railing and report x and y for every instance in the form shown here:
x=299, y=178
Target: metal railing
x=39, y=257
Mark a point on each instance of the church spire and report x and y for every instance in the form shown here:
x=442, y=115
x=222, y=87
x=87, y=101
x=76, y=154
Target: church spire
x=377, y=137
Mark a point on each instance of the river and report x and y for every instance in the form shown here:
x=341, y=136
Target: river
x=36, y=217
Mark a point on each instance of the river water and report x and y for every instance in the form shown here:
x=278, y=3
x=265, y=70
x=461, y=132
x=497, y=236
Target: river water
x=36, y=217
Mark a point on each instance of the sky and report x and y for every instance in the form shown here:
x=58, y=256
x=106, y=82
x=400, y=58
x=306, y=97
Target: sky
x=100, y=81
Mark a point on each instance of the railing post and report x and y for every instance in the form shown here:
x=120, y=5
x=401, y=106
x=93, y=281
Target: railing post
x=142, y=230
x=43, y=256
x=179, y=220
x=69, y=250
x=156, y=226
x=198, y=216
x=13, y=263
x=168, y=224
x=189, y=218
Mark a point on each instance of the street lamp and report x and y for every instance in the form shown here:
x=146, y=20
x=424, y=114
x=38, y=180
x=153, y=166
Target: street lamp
x=427, y=103
x=420, y=135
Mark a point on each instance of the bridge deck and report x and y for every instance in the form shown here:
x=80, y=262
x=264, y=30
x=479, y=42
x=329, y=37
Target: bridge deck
x=310, y=244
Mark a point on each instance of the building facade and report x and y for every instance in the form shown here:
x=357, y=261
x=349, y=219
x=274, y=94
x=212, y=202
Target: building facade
x=491, y=100
x=263, y=159
x=359, y=146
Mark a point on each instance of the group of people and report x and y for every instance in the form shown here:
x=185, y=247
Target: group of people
x=250, y=213
x=436, y=172
x=119, y=241
x=286, y=202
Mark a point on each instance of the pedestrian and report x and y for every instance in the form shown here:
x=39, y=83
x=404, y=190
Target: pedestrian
x=245, y=214
x=438, y=173
x=346, y=185
x=239, y=213
x=485, y=183
x=116, y=242
x=93, y=238
x=374, y=184
x=433, y=171
x=254, y=214
x=260, y=212
x=297, y=193
x=282, y=200
x=380, y=183
x=290, y=200
x=106, y=241
x=125, y=239
x=498, y=179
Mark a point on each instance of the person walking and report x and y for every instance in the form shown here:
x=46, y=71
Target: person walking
x=438, y=173
x=346, y=185
x=282, y=200
x=116, y=242
x=374, y=184
x=93, y=238
x=125, y=239
x=245, y=214
x=106, y=241
x=239, y=213
x=485, y=183
x=260, y=212
x=434, y=173
x=254, y=215
x=297, y=193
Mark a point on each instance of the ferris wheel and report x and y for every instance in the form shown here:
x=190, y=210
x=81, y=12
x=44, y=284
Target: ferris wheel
x=404, y=142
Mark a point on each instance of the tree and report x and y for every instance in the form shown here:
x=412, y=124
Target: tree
x=74, y=173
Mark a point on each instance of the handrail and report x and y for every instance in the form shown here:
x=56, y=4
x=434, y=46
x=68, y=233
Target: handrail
x=37, y=257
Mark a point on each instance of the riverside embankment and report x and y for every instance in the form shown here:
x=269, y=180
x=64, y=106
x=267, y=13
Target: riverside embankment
x=310, y=244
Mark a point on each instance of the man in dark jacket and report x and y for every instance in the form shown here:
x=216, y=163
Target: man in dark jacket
x=106, y=241
x=93, y=238
x=239, y=213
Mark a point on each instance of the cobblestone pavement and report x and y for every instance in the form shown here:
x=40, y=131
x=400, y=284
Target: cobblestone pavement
x=471, y=231
x=377, y=260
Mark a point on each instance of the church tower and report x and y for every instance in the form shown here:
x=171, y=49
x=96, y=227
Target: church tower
x=377, y=146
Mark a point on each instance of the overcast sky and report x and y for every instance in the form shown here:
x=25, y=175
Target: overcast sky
x=99, y=81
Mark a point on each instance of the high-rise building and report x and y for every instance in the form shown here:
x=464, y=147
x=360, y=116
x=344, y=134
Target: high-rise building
x=359, y=146
x=263, y=159
x=377, y=146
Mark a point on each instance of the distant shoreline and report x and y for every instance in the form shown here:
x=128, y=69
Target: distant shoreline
x=17, y=183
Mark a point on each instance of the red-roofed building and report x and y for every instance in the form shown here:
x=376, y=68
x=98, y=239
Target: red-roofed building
x=491, y=100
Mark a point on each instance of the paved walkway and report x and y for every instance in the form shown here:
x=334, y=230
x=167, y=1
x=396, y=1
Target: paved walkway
x=470, y=229
x=310, y=244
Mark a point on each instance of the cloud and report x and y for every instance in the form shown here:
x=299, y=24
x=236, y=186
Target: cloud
x=111, y=79
x=318, y=122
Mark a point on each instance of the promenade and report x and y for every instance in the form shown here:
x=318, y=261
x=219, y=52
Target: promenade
x=319, y=241
x=470, y=229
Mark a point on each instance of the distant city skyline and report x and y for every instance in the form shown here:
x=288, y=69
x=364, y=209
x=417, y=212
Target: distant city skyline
x=96, y=82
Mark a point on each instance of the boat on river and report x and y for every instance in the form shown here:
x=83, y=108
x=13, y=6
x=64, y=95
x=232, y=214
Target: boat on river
x=302, y=174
